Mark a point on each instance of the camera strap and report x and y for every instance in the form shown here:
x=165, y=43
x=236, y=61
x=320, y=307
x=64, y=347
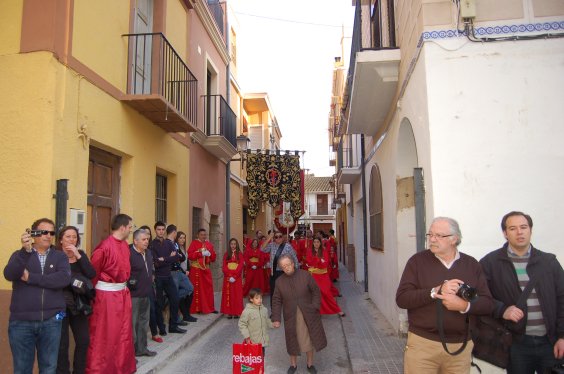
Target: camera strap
x=521, y=303
x=439, y=304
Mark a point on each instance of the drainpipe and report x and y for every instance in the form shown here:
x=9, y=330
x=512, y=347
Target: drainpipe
x=364, y=215
x=61, y=198
x=228, y=165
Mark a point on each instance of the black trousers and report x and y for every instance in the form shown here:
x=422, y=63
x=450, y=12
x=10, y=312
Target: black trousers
x=166, y=285
x=79, y=326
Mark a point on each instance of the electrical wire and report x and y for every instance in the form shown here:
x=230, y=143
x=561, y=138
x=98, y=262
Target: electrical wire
x=290, y=21
x=469, y=31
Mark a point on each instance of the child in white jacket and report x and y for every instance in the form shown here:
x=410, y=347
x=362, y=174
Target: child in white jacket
x=254, y=322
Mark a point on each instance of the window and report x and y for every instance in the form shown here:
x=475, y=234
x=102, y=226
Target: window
x=322, y=207
x=160, y=198
x=375, y=205
x=196, y=221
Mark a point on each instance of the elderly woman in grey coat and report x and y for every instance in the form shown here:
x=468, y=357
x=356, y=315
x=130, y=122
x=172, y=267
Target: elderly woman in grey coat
x=298, y=295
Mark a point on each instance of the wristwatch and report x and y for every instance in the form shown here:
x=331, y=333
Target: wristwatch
x=433, y=293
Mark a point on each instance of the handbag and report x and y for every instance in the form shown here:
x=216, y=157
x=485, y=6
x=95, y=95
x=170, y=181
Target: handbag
x=248, y=358
x=491, y=336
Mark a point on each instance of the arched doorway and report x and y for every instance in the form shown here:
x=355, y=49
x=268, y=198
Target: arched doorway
x=406, y=163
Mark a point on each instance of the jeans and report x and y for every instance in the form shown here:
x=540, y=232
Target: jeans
x=183, y=284
x=79, y=326
x=26, y=336
x=531, y=353
x=166, y=285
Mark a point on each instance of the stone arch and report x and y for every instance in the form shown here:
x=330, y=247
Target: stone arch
x=406, y=162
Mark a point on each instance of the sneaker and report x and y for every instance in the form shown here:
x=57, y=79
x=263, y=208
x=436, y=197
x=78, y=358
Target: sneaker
x=157, y=339
x=311, y=369
x=292, y=369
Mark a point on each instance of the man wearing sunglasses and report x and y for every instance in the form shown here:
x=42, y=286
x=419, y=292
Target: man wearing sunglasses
x=38, y=274
x=276, y=245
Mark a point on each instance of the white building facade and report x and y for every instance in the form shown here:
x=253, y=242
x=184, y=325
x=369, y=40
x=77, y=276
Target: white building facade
x=469, y=127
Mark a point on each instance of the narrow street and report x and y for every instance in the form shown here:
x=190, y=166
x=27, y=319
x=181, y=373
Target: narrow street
x=217, y=343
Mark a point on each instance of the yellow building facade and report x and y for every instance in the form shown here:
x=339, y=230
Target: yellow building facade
x=99, y=95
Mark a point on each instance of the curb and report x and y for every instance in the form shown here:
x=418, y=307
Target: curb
x=171, y=352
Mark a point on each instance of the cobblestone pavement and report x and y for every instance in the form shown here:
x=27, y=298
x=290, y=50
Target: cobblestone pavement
x=373, y=345
x=212, y=353
x=361, y=342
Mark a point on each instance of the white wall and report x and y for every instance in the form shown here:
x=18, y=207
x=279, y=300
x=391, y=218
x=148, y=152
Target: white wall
x=496, y=119
x=385, y=268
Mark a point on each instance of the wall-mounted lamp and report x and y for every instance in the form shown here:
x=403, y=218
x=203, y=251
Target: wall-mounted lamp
x=243, y=144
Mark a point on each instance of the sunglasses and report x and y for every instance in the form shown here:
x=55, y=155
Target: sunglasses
x=277, y=236
x=37, y=233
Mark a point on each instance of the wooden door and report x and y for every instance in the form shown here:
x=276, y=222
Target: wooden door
x=103, y=192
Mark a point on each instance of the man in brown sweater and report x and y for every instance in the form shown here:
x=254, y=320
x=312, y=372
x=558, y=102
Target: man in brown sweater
x=432, y=276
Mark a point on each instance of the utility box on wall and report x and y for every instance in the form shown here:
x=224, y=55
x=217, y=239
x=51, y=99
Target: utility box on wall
x=78, y=220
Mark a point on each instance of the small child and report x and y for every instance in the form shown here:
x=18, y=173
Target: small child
x=254, y=322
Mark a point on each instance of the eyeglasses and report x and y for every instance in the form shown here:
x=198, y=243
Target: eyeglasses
x=43, y=232
x=277, y=236
x=437, y=236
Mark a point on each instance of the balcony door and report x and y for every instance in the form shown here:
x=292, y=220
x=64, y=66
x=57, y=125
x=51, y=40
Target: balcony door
x=143, y=47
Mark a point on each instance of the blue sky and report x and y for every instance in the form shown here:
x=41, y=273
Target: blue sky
x=287, y=49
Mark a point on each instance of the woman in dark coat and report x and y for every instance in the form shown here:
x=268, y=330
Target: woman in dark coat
x=81, y=269
x=298, y=295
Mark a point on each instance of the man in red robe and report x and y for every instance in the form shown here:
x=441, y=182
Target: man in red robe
x=111, y=334
x=201, y=254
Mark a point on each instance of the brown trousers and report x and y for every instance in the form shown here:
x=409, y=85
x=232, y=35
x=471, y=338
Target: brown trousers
x=424, y=356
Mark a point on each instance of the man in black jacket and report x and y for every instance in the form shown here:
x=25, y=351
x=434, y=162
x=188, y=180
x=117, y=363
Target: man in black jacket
x=538, y=326
x=141, y=287
x=164, y=255
x=38, y=273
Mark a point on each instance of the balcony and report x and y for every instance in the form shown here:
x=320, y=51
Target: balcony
x=159, y=84
x=220, y=127
x=348, y=165
x=373, y=73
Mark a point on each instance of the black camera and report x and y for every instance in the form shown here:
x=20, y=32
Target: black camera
x=467, y=293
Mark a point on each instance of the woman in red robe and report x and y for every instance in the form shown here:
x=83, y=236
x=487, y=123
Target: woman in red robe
x=232, y=292
x=254, y=261
x=318, y=263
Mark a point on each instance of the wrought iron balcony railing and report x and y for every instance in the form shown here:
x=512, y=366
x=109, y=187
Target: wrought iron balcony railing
x=370, y=30
x=155, y=68
x=220, y=120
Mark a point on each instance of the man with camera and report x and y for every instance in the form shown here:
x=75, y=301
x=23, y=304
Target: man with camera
x=38, y=274
x=538, y=326
x=440, y=288
x=141, y=287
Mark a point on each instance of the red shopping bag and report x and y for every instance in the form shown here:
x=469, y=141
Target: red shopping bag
x=247, y=358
